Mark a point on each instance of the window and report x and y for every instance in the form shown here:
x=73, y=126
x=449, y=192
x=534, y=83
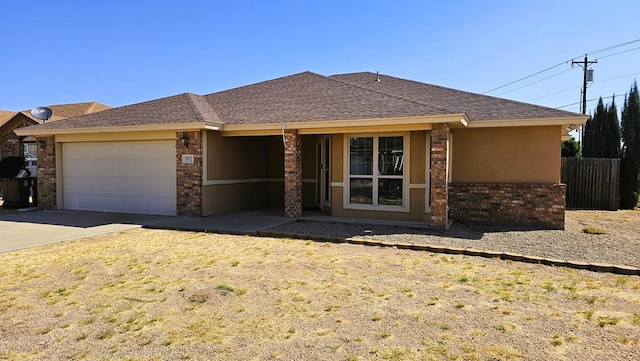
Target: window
x=29, y=150
x=376, y=171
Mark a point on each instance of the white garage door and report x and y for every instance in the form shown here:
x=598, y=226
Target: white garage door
x=121, y=177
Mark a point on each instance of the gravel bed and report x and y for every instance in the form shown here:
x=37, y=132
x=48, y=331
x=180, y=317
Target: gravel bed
x=620, y=245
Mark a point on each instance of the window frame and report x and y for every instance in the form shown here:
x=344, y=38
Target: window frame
x=375, y=177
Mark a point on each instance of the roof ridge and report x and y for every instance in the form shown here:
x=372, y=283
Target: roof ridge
x=474, y=94
x=391, y=95
x=263, y=82
x=196, y=101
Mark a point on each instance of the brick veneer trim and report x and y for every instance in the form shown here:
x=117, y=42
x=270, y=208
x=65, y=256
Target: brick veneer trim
x=189, y=175
x=292, y=174
x=47, y=198
x=542, y=204
x=439, y=193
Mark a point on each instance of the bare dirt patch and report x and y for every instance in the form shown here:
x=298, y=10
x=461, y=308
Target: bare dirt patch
x=165, y=295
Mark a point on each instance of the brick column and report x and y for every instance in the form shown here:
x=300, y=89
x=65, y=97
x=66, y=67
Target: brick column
x=189, y=175
x=292, y=174
x=439, y=191
x=10, y=145
x=46, y=173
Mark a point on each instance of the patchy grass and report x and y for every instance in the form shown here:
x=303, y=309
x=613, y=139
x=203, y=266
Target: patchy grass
x=593, y=230
x=181, y=295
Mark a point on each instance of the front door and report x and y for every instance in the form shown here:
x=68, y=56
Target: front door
x=323, y=173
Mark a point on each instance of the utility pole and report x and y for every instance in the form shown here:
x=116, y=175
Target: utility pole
x=584, y=64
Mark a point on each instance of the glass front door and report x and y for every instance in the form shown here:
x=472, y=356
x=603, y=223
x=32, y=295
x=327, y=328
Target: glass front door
x=323, y=172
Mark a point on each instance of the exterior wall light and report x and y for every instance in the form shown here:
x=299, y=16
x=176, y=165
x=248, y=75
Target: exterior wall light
x=42, y=143
x=185, y=140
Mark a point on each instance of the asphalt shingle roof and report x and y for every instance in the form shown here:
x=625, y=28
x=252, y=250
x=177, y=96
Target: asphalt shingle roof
x=312, y=97
x=476, y=106
x=60, y=111
x=5, y=116
x=182, y=108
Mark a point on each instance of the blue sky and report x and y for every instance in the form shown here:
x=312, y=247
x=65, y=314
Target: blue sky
x=123, y=52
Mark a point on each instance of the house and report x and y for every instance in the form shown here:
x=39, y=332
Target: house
x=13, y=145
x=353, y=145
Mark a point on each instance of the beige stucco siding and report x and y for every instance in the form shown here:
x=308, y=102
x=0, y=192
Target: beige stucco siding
x=236, y=157
x=506, y=155
x=418, y=149
x=337, y=160
x=238, y=171
x=226, y=198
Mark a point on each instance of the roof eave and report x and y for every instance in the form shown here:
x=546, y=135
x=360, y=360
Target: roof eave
x=572, y=122
x=339, y=126
x=117, y=129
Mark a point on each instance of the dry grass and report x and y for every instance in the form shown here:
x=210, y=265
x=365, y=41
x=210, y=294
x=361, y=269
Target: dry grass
x=164, y=295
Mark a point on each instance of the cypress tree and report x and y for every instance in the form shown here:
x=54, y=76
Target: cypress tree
x=594, y=142
x=587, y=139
x=611, y=132
x=630, y=163
x=602, y=132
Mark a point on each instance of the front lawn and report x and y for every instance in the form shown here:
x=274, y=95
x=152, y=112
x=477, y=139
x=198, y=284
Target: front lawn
x=167, y=295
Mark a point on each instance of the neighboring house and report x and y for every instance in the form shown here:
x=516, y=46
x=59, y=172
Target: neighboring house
x=353, y=145
x=12, y=145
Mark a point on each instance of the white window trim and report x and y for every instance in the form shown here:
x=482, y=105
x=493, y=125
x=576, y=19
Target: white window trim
x=406, y=207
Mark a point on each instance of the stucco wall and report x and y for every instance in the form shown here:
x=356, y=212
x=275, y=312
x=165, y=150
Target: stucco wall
x=249, y=172
x=225, y=198
x=309, y=171
x=506, y=155
x=238, y=168
x=236, y=157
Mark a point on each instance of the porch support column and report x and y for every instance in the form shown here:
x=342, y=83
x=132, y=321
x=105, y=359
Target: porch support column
x=189, y=163
x=46, y=187
x=439, y=187
x=292, y=174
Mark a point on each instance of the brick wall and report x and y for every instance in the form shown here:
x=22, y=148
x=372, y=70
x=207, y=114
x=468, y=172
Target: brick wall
x=439, y=191
x=10, y=145
x=189, y=175
x=292, y=174
x=47, y=174
x=542, y=204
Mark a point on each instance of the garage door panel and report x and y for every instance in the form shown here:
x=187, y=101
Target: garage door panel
x=113, y=187
x=124, y=177
x=149, y=167
x=139, y=205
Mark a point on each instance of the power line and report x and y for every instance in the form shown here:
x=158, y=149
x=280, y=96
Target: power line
x=612, y=47
x=570, y=60
x=617, y=77
x=574, y=87
x=548, y=95
x=589, y=100
x=537, y=81
x=526, y=77
x=622, y=52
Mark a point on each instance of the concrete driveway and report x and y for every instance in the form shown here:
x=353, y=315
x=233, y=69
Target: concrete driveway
x=19, y=230
x=31, y=229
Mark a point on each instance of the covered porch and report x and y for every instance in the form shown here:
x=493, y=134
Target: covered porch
x=298, y=172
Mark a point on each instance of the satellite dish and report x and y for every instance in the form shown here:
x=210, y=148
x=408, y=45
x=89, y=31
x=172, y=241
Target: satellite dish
x=42, y=113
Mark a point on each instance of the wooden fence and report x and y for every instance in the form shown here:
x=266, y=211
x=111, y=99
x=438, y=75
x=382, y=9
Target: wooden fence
x=592, y=183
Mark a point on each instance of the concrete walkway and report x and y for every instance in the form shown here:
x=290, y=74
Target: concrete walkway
x=19, y=230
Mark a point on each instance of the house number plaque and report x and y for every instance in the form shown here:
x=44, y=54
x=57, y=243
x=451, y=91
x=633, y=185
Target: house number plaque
x=187, y=159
